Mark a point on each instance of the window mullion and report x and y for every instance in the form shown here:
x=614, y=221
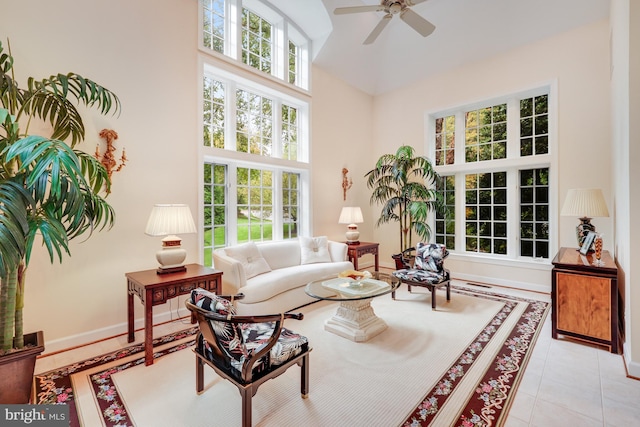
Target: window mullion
x=233, y=43
x=280, y=51
x=232, y=203
x=276, y=131
x=231, y=107
x=460, y=208
x=513, y=215
x=277, y=205
x=513, y=129
x=460, y=139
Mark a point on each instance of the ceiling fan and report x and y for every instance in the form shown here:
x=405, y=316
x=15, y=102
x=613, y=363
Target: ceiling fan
x=392, y=7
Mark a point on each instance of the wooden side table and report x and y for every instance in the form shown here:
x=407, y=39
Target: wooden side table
x=585, y=300
x=355, y=251
x=154, y=289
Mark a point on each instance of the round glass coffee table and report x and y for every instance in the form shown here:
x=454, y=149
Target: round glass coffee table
x=355, y=318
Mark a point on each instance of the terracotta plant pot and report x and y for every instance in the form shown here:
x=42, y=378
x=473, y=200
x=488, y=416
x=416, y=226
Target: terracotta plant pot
x=16, y=370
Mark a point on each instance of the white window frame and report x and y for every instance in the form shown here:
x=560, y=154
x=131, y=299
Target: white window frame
x=283, y=30
x=512, y=165
x=228, y=156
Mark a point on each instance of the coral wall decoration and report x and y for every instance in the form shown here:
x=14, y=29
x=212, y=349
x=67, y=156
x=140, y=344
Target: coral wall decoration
x=108, y=159
x=346, y=183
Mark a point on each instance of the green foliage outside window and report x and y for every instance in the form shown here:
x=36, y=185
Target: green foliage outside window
x=534, y=125
x=256, y=41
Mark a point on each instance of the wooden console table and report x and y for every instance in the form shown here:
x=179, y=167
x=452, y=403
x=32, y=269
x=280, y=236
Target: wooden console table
x=355, y=251
x=585, y=300
x=154, y=289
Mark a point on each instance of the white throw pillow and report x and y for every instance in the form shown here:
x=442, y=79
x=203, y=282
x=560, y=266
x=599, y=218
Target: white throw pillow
x=250, y=258
x=314, y=249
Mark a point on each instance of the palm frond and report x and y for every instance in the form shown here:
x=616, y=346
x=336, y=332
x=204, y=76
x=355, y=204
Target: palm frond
x=15, y=204
x=401, y=184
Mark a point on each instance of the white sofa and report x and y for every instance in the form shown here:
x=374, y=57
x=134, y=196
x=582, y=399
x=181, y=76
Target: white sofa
x=272, y=275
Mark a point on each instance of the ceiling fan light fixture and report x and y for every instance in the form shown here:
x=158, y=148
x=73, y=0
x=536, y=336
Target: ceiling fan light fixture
x=395, y=8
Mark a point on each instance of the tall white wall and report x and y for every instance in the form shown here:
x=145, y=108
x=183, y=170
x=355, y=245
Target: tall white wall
x=578, y=63
x=625, y=77
x=146, y=52
x=341, y=132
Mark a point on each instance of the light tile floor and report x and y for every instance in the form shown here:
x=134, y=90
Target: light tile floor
x=565, y=383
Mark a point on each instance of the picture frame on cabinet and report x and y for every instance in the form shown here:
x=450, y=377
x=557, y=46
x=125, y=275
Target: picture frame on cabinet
x=587, y=243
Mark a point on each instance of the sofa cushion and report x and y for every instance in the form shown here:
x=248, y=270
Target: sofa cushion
x=266, y=286
x=250, y=257
x=314, y=249
x=280, y=254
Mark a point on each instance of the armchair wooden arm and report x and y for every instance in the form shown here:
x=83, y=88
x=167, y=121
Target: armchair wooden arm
x=204, y=317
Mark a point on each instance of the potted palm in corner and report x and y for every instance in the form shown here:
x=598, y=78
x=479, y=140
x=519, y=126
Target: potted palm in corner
x=403, y=184
x=49, y=192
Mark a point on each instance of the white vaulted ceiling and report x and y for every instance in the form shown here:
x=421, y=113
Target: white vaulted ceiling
x=466, y=30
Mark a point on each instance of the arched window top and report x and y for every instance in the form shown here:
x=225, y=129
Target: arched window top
x=258, y=35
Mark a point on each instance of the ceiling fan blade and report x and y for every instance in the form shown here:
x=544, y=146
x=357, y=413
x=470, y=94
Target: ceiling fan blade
x=378, y=29
x=413, y=2
x=357, y=9
x=417, y=22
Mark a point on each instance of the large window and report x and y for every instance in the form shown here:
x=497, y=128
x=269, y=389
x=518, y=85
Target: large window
x=486, y=133
x=213, y=25
x=496, y=184
x=446, y=223
x=251, y=32
x=534, y=212
x=486, y=212
x=245, y=203
x=254, y=123
x=255, y=134
x=257, y=42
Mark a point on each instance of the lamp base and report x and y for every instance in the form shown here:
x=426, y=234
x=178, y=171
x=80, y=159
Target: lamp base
x=167, y=270
x=352, y=234
x=171, y=256
x=583, y=229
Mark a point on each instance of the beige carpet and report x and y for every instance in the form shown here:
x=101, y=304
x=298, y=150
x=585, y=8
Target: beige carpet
x=380, y=382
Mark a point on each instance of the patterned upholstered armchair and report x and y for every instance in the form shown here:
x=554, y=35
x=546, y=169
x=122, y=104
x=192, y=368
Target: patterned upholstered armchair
x=427, y=270
x=246, y=350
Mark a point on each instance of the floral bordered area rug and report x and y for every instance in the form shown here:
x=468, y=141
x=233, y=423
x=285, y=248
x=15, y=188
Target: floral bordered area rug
x=56, y=386
x=490, y=401
x=457, y=366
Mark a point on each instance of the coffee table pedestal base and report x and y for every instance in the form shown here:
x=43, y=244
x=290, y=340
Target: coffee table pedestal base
x=355, y=320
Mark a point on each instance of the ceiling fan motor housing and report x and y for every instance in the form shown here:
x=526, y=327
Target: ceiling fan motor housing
x=395, y=8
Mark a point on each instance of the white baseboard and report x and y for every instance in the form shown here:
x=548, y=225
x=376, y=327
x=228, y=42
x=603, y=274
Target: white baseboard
x=173, y=312
x=633, y=368
x=525, y=286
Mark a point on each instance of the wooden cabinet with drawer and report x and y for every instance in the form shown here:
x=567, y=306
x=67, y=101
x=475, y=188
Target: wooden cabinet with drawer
x=586, y=302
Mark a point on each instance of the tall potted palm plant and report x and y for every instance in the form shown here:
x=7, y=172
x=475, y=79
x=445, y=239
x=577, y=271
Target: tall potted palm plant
x=48, y=188
x=403, y=184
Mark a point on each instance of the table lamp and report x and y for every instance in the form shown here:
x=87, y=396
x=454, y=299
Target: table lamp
x=169, y=220
x=351, y=215
x=585, y=203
